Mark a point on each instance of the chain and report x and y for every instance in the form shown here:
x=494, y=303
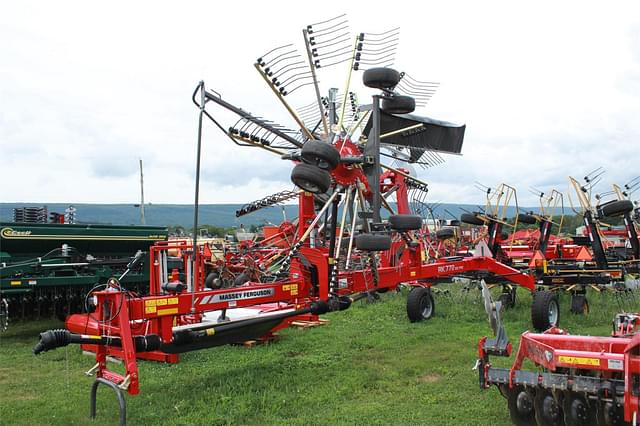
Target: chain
x=373, y=264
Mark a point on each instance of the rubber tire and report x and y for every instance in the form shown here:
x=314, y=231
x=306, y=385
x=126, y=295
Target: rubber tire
x=443, y=234
x=578, y=308
x=471, y=219
x=381, y=78
x=320, y=154
x=405, y=222
x=373, y=242
x=415, y=309
x=208, y=282
x=398, y=104
x=241, y=279
x=542, y=300
x=527, y=219
x=311, y=178
x=508, y=298
x=617, y=208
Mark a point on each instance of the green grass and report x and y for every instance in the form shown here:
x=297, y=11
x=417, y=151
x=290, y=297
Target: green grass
x=369, y=365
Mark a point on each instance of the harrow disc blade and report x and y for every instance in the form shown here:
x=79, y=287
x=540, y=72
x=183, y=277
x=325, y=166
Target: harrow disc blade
x=577, y=411
x=611, y=414
x=490, y=308
x=548, y=409
x=521, y=406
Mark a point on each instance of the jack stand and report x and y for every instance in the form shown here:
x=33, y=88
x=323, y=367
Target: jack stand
x=223, y=317
x=119, y=394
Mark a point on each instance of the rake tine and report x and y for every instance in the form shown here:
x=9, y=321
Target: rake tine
x=284, y=69
x=282, y=57
x=592, y=172
x=329, y=42
x=261, y=60
x=312, y=28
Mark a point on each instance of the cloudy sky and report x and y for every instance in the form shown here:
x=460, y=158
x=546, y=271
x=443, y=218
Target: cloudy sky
x=546, y=89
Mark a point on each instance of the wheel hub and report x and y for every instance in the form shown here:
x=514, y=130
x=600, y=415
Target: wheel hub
x=524, y=403
x=425, y=306
x=553, y=314
x=579, y=410
x=550, y=409
x=308, y=186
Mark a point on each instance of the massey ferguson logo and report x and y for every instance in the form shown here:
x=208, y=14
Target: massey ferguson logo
x=237, y=295
x=11, y=233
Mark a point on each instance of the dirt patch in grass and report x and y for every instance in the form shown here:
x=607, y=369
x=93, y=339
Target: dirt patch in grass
x=429, y=378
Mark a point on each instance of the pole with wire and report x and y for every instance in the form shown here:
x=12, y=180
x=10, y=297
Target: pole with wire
x=197, y=194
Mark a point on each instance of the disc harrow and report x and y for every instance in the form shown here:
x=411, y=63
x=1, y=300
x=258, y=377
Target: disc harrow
x=579, y=380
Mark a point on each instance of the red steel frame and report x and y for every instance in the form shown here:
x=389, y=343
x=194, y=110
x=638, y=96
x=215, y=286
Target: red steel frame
x=603, y=357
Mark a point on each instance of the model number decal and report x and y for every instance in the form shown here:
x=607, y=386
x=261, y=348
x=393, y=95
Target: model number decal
x=449, y=268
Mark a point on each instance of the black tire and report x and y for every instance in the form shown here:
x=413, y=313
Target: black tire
x=545, y=310
x=471, y=219
x=579, y=304
x=420, y=304
x=373, y=242
x=443, y=234
x=319, y=200
x=616, y=208
x=320, y=154
x=527, y=219
x=508, y=297
x=209, y=282
x=520, y=402
x=241, y=279
x=311, y=178
x=505, y=300
x=381, y=78
x=405, y=222
x=398, y=104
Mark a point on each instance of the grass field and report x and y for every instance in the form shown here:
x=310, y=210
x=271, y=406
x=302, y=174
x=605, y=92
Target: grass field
x=369, y=365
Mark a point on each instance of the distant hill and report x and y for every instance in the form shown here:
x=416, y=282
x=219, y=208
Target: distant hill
x=223, y=215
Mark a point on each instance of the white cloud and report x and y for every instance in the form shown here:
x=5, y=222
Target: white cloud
x=546, y=90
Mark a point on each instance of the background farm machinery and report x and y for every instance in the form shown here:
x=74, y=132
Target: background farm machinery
x=573, y=263
x=48, y=268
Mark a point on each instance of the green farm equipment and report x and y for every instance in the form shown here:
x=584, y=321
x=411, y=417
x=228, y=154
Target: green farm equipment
x=47, y=269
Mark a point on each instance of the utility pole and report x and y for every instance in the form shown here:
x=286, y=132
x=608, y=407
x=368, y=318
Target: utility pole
x=141, y=195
